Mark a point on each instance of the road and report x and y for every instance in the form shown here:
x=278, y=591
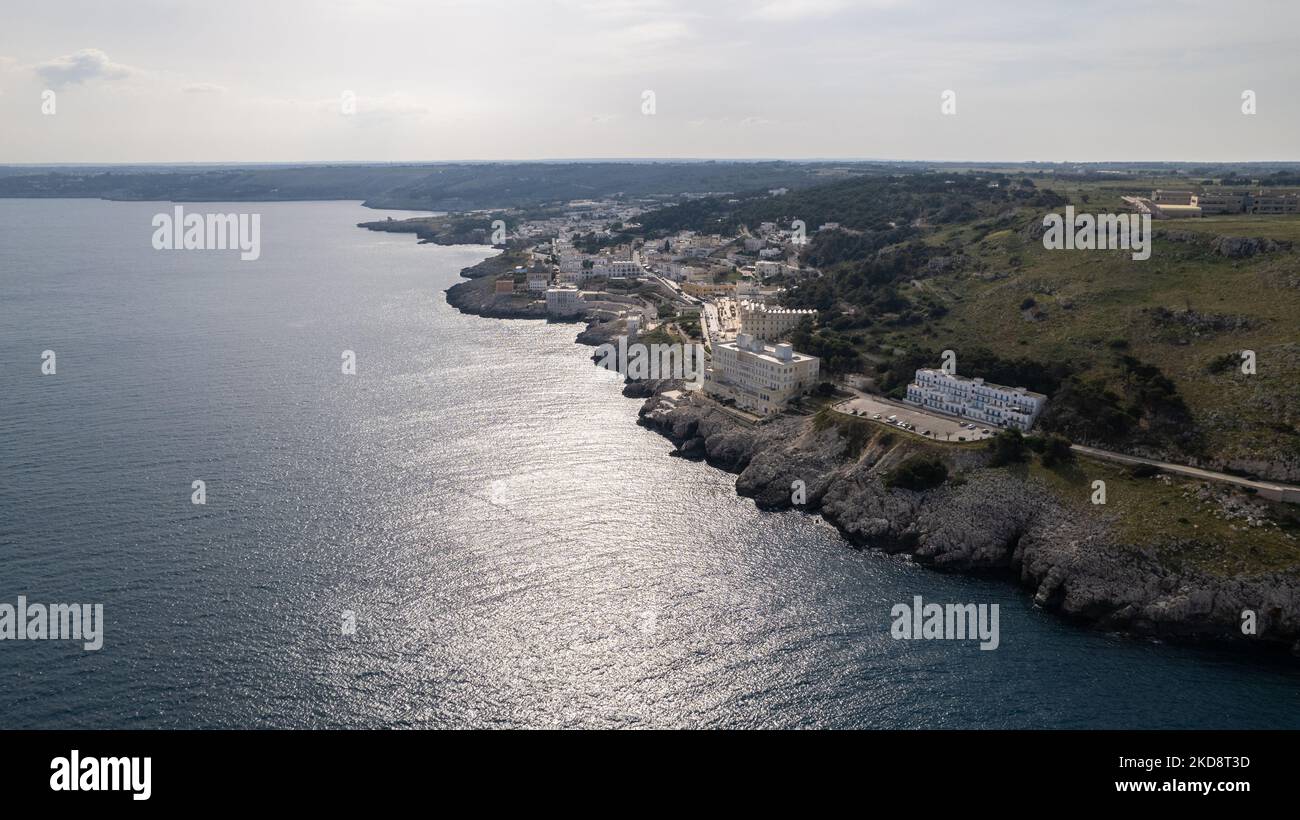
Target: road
x=1268, y=489
x=944, y=428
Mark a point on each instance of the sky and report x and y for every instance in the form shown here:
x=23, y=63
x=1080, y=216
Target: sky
x=427, y=80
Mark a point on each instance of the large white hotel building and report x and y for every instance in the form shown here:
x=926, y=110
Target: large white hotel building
x=975, y=399
x=770, y=323
x=759, y=377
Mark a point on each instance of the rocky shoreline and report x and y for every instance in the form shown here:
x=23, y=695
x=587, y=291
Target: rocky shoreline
x=991, y=521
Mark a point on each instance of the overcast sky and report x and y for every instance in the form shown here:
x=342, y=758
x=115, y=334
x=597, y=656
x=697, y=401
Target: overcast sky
x=264, y=80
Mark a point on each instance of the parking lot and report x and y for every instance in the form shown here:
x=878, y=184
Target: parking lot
x=942, y=428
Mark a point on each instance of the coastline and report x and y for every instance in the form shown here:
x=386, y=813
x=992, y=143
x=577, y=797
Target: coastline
x=990, y=521
x=998, y=521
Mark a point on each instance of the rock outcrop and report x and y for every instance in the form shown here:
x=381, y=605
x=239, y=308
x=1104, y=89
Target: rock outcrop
x=1243, y=247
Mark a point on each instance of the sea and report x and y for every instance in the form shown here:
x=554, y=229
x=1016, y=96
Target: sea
x=468, y=531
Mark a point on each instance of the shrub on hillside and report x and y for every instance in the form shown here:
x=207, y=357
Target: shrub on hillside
x=1008, y=447
x=918, y=472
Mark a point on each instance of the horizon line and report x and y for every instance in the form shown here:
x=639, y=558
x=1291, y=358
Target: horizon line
x=646, y=160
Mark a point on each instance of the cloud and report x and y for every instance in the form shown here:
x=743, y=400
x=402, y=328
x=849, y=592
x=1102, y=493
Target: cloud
x=203, y=88
x=618, y=9
x=82, y=66
x=784, y=10
x=730, y=122
x=656, y=34
x=390, y=106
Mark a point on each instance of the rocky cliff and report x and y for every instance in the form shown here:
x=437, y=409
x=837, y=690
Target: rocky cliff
x=985, y=519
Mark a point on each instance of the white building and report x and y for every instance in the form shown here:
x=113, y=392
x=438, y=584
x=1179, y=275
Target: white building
x=564, y=302
x=670, y=270
x=623, y=268
x=768, y=322
x=570, y=261
x=766, y=269
x=760, y=378
x=539, y=281
x=975, y=399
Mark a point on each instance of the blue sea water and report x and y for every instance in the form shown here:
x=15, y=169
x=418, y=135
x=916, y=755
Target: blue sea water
x=515, y=550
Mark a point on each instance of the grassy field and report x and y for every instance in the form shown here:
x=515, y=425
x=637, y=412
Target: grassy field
x=1163, y=513
x=1084, y=300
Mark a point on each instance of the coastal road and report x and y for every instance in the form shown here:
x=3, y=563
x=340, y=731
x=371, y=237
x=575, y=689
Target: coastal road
x=1268, y=489
x=944, y=428
x=711, y=326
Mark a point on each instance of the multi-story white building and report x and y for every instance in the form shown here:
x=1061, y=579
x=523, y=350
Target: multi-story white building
x=539, y=281
x=760, y=378
x=570, y=261
x=623, y=268
x=564, y=302
x=975, y=399
x=768, y=322
x=669, y=269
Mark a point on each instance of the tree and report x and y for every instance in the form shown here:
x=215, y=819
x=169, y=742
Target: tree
x=918, y=472
x=1008, y=447
x=1056, y=450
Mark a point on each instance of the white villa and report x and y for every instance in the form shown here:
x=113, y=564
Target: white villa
x=975, y=399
